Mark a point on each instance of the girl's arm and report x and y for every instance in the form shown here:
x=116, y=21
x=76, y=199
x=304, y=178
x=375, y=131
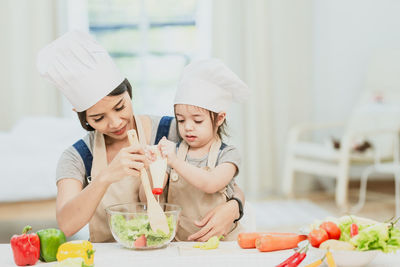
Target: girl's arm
x=75, y=207
x=207, y=181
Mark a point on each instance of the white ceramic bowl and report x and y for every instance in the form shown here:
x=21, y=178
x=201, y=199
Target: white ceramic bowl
x=345, y=258
x=127, y=222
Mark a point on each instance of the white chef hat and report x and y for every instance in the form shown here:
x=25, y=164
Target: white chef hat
x=211, y=85
x=80, y=67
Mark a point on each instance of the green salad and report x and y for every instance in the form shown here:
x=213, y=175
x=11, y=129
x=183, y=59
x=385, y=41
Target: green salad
x=137, y=232
x=371, y=235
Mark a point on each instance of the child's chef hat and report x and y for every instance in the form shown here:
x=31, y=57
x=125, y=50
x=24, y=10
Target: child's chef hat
x=80, y=67
x=211, y=85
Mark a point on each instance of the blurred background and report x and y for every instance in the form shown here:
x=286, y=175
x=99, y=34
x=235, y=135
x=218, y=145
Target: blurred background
x=308, y=63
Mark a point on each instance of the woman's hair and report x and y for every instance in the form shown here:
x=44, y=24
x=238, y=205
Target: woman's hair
x=221, y=131
x=125, y=86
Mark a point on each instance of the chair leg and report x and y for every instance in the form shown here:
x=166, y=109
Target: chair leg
x=342, y=188
x=363, y=190
x=342, y=182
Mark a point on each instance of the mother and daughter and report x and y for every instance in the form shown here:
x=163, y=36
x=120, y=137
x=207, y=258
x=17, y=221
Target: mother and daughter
x=103, y=169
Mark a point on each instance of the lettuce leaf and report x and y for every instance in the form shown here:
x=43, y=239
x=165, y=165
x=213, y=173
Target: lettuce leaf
x=130, y=230
x=345, y=222
x=393, y=243
x=372, y=237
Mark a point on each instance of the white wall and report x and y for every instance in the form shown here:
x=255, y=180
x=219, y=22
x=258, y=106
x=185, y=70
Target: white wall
x=290, y=24
x=25, y=27
x=346, y=35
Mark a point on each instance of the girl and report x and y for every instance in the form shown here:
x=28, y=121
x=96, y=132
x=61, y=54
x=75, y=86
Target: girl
x=101, y=169
x=202, y=166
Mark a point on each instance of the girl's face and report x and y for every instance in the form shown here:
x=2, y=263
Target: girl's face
x=195, y=125
x=112, y=116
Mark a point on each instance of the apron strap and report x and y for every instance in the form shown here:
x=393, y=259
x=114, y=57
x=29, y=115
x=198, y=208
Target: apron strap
x=86, y=156
x=214, y=153
x=140, y=131
x=163, y=128
x=183, y=149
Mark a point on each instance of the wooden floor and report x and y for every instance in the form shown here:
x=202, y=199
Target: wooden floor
x=14, y=216
x=45, y=209
x=380, y=206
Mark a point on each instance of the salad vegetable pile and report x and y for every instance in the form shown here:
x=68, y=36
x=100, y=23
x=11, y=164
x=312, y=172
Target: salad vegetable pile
x=137, y=232
x=356, y=233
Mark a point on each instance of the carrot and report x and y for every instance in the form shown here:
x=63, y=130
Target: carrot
x=248, y=240
x=272, y=242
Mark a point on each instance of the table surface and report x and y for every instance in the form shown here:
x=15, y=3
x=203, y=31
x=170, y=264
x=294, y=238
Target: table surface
x=183, y=254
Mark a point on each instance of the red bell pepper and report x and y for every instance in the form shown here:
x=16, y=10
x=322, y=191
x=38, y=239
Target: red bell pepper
x=25, y=247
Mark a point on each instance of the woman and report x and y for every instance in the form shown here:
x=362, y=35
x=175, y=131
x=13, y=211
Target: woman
x=87, y=76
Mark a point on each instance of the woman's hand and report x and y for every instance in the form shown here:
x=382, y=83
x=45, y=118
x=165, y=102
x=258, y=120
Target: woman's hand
x=168, y=149
x=217, y=222
x=128, y=162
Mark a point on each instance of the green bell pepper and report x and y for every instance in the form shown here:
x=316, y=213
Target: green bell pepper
x=50, y=240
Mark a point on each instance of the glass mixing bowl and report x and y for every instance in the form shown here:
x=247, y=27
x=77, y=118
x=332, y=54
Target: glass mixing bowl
x=130, y=225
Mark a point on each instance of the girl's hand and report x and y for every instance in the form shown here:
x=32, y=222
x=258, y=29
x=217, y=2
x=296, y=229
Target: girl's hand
x=128, y=162
x=217, y=222
x=168, y=149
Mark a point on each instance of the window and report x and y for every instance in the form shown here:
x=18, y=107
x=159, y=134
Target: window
x=151, y=41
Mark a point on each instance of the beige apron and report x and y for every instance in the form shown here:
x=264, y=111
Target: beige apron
x=194, y=202
x=123, y=191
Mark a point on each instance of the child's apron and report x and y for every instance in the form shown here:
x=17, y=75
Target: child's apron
x=123, y=191
x=194, y=202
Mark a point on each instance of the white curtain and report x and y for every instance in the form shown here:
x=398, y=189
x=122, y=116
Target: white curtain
x=25, y=27
x=268, y=44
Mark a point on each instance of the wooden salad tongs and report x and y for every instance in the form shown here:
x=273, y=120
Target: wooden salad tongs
x=157, y=218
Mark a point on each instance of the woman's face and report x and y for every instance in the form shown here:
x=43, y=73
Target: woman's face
x=112, y=116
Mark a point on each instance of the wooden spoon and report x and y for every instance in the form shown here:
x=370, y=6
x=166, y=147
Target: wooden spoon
x=157, y=218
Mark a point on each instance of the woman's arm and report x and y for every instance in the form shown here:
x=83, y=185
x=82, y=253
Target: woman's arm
x=219, y=221
x=72, y=215
x=75, y=207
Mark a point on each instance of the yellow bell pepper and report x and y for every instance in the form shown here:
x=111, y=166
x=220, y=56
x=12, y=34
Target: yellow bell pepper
x=315, y=263
x=330, y=260
x=76, y=249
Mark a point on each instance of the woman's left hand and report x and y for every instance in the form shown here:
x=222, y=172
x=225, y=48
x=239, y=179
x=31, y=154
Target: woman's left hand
x=217, y=222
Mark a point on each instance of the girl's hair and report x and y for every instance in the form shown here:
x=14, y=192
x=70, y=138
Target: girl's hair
x=221, y=131
x=125, y=86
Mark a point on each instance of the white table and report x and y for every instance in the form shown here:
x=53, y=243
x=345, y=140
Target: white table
x=183, y=254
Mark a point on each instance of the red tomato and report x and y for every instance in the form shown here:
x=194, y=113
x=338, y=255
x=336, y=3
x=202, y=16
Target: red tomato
x=317, y=236
x=140, y=242
x=332, y=229
x=353, y=229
